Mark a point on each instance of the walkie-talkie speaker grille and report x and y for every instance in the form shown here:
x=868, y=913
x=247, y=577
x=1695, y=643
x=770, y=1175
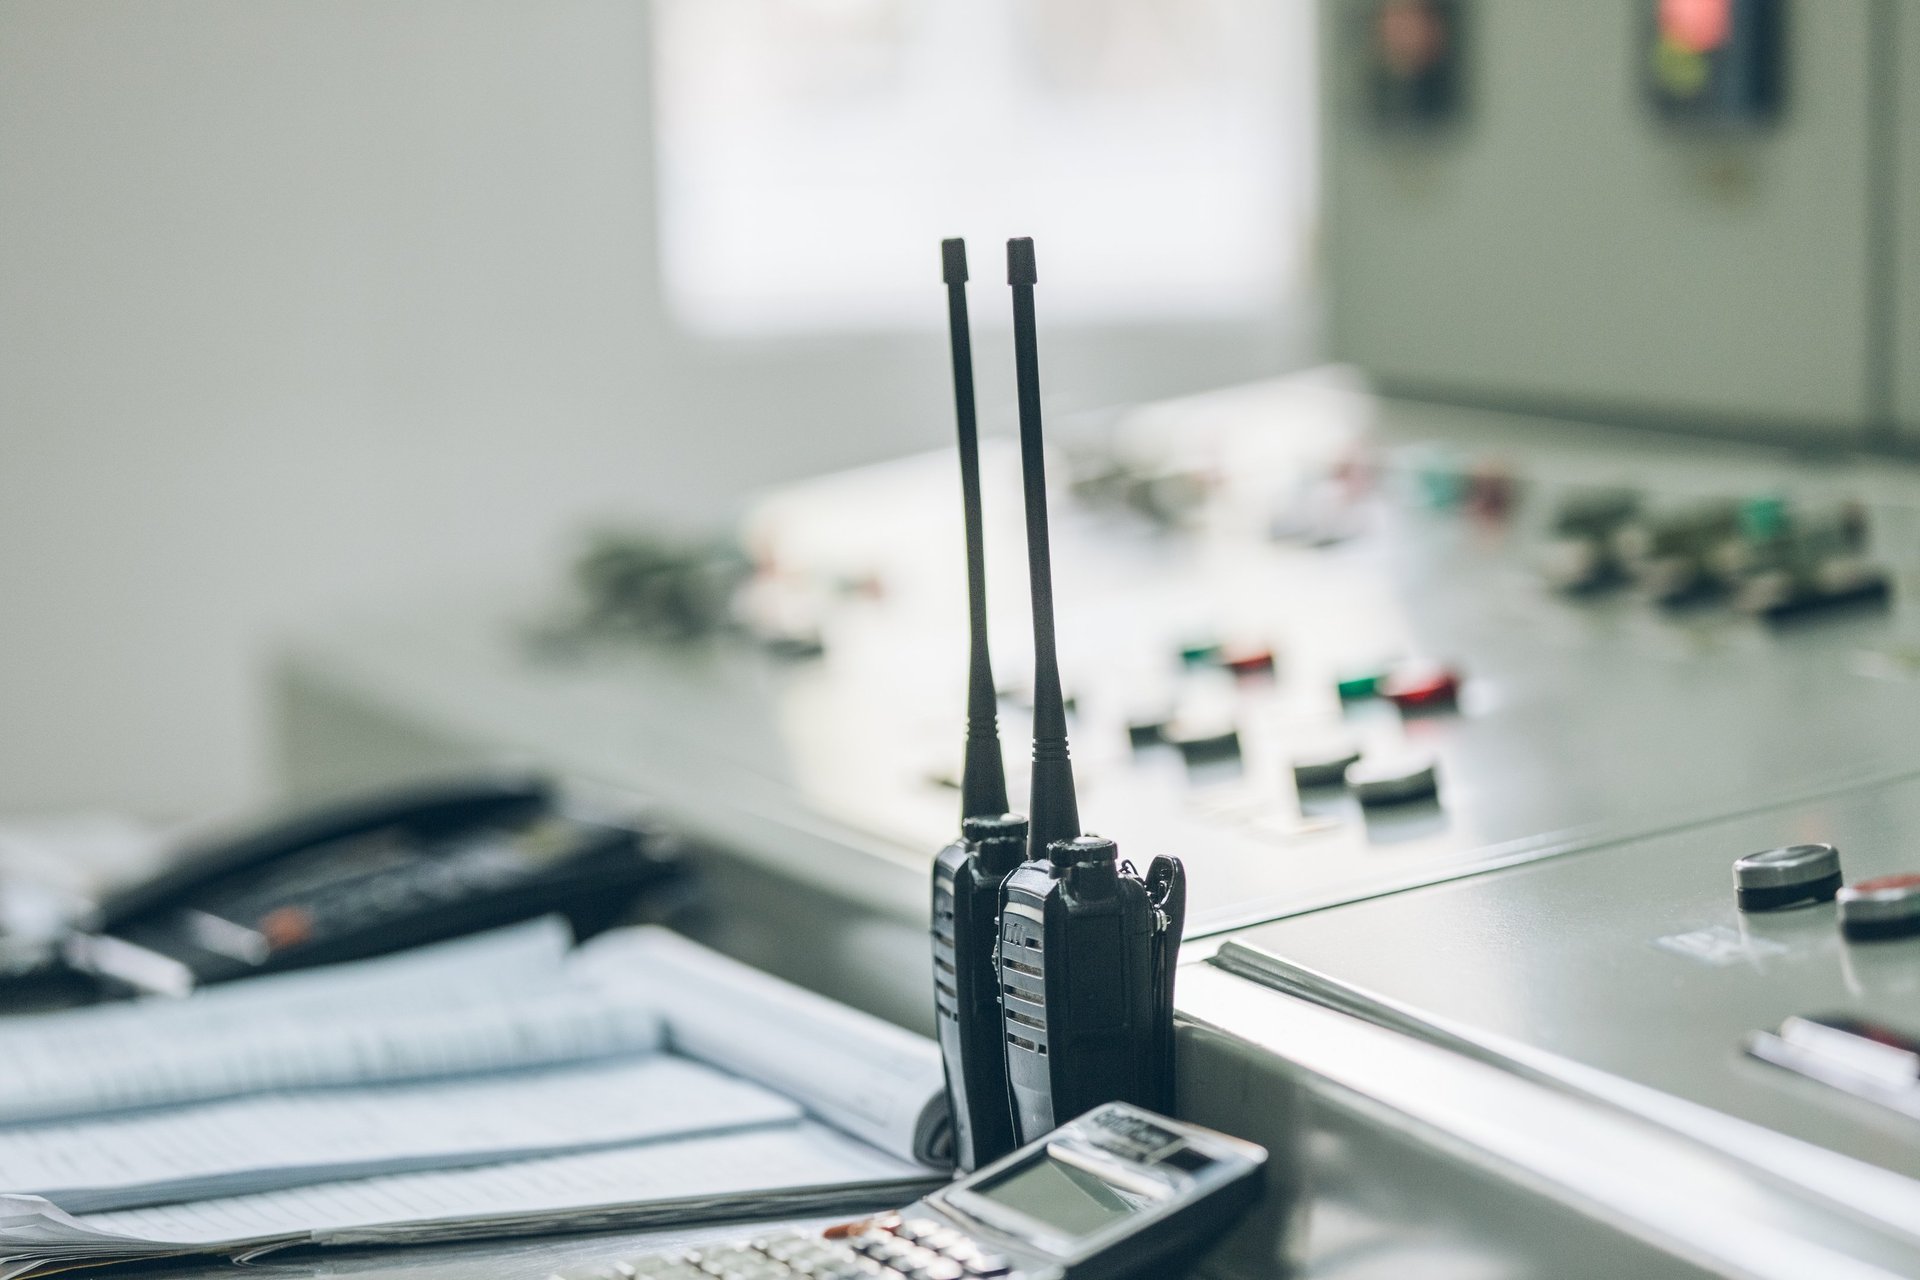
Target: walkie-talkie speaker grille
x=1023, y=985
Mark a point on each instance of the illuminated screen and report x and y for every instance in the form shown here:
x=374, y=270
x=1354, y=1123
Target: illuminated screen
x=1068, y=1198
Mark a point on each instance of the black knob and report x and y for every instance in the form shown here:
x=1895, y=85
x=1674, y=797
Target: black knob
x=1082, y=850
x=999, y=841
x=1091, y=864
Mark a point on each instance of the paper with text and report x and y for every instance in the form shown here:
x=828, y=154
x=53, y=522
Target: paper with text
x=868, y=1077
x=485, y=1004
x=275, y=1140
x=427, y=1205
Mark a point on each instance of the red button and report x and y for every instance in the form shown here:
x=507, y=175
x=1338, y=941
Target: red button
x=1253, y=662
x=1423, y=688
x=1907, y=880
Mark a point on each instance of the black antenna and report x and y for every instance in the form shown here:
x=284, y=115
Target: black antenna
x=1055, y=814
x=983, y=781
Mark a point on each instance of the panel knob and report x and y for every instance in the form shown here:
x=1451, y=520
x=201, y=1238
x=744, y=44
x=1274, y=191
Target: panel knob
x=1887, y=907
x=1791, y=876
x=1394, y=779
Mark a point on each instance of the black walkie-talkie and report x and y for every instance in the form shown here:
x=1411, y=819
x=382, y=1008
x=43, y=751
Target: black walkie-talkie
x=968, y=872
x=1087, y=947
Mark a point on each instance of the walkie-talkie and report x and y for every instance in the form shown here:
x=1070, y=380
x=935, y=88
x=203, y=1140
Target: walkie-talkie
x=1087, y=947
x=968, y=872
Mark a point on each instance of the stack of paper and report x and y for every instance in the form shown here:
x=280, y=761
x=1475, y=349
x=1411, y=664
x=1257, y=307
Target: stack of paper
x=493, y=1086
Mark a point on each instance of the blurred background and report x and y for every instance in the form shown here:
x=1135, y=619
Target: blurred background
x=318, y=308
x=308, y=307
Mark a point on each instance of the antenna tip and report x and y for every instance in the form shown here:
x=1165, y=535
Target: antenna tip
x=953, y=260
x=1020, y=261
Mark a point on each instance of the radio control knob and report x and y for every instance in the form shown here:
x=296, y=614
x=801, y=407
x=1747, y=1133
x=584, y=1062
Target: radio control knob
x=1084, y=849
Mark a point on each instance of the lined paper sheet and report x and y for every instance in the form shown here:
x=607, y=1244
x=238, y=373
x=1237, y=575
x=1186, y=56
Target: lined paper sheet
x=483, y=1004
x=867, y=1077
x=487, y=1034
x=405, y=1206
x=281, y=1140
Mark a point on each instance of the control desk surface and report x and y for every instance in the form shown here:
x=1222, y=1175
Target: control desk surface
x=1634, y=959
x=1308, y=521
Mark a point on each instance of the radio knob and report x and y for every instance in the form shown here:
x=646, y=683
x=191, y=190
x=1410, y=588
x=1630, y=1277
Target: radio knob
x=1084, y=850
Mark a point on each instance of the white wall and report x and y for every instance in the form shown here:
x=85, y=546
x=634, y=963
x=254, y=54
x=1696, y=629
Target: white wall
x=313, y=305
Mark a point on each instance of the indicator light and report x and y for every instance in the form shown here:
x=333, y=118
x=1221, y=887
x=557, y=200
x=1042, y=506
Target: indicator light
x=1715, y=62
x=1412, y=62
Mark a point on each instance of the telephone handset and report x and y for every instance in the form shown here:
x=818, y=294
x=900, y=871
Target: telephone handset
x=367, y=876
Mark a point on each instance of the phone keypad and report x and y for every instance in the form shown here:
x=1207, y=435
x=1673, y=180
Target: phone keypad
x=887, y=1249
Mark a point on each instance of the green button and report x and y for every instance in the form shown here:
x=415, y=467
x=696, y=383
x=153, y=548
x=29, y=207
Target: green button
x=1764, y=518
x=1360, y=685
x=1200, y=655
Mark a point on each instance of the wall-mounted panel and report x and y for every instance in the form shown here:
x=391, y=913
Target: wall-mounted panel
x=1904, y=182
x=1561, y=241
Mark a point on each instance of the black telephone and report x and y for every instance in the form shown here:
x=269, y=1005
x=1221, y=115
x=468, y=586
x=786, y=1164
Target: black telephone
x=368, y=876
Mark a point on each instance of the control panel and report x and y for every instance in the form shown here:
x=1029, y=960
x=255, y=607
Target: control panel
x=1765, y=967
x=1318, y=646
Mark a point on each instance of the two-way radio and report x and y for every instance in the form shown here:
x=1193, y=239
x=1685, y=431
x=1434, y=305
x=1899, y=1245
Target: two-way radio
x=1087, y=947
x=968, y=872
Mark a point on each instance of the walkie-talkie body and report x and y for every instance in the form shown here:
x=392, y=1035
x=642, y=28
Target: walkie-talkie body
x=1087, y=947
x=1087, y=953
x=966, y=983
x=968, y=872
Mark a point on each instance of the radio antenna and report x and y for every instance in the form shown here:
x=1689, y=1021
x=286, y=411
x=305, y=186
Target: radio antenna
x=1055, y=814
x=983, y=780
